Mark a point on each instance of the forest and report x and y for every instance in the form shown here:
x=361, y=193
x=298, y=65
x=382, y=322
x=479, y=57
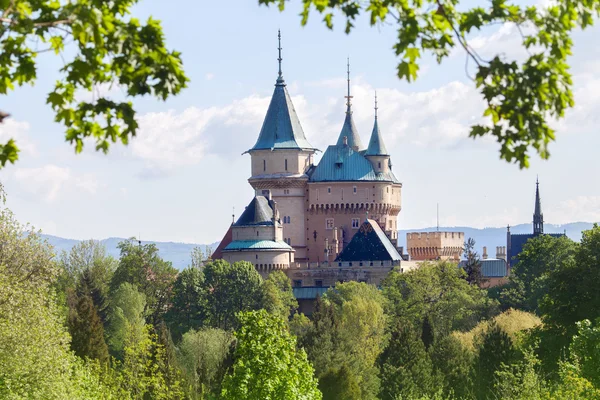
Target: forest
x=83, y=325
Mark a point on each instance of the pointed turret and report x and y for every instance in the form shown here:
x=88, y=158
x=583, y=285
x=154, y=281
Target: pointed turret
x=538, y=217
x=349, y=130
x=281, y=128
x=376, y=145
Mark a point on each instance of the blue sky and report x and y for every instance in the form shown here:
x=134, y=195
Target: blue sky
x=180, y=179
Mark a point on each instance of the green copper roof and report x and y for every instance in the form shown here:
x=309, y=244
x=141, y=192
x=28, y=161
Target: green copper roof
x=376, y=145
x=281, y=128
x=258, y=212
x=306, y=293
x=350, y=132
x=257, y=245
x=370, y=243
x=342, y=163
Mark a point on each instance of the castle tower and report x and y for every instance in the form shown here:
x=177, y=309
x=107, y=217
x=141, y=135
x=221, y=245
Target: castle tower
x=349, y=134
x=377, y=153
x=538, y=217
x=280, y=159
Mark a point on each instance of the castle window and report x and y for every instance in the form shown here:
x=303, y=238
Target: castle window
x=257, y=233
x=328, y=190
x=319, y=283
x=329, y=223
x=354, y=189
x=286, y=164
x=379, y=165
x=387, y=189
x=355, y=223
x=257, y=256
x=298, y=283
x=264, y=165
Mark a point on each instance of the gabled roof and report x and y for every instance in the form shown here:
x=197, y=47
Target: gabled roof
x=350, y=132
x=370, y=243
x=342, y=163
x=376, y=145
x=258, y=212
x=281, y=128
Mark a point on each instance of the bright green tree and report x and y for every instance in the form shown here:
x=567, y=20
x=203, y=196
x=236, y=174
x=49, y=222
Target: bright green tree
x=188, y=302
x=100, y=44
x=267, y=364
x=585, y=350
x=231, y=288
x=521, y=96
x=279, y=296
x=126, y=316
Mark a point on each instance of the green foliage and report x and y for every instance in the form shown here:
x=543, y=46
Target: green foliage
x=339, y=384
x=87, y=332
x=126, y=316
x=100, y=45
x=267, y=364
x=541, y=256
x=452, y=366
x=142, y=267
x=405, y=367
x=187, y=302
x=439, y=292
x=473, y=264
x=231, y=288
x=279, y=296
x=585, y=350
x=521, y=96
x=205, y=356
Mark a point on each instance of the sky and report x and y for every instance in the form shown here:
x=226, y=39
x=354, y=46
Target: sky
x=184, y=175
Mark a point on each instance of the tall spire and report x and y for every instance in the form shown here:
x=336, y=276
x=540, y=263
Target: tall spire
x=348, y=97
x=376, y=145
x=376, y=104
x=538, y=217
x=280, y=80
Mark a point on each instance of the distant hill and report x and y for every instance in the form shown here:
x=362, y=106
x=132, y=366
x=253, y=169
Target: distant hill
x=179, y=253
x=492, y=237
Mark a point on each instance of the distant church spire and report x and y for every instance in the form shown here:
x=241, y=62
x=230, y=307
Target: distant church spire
x=538, y=217
x=280, y=76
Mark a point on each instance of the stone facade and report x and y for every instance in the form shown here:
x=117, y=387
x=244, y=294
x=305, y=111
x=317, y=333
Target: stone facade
x=423, y=246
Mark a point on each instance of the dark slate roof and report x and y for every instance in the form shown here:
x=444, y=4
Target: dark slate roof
x=369, y=244
x=349, y=131
x=281, y=128
x=376, y=145
x=308, y=293
x=493, y=268
x=342, y=163
x=517, y=242
x=258, y=212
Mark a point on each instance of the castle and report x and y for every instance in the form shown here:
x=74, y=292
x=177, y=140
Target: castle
x=304, y=214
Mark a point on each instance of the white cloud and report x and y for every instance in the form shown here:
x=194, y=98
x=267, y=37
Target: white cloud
x=578, y=209
x=50, y=181
x=19, y=131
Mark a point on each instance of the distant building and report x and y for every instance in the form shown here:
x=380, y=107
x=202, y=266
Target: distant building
x=515, y=242
x=494, y=270
x=422, y=246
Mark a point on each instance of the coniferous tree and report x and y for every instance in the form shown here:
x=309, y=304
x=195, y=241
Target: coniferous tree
x=473, y=263
x=87, y=332
x=427, y=333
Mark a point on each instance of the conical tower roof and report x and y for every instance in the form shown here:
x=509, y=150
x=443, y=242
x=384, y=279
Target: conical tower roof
x=281, y=128
x=376, y=145
x=349, y=130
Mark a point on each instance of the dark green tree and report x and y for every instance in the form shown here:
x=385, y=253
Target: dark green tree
x=188, y=302
x=495, y=349
x=230, y=289
x=452, y=365
x=521, y=97
x=405, y=367
x=87, y=332
x=427, y=333
x=100, y=44
x=339, y=384
x=472, y=265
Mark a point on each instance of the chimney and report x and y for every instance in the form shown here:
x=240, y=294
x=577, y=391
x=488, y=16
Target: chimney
x=501, y=253
x=484, y=256
x=345, y=140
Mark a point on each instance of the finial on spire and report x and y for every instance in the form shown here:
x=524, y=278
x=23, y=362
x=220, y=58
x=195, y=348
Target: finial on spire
x=280, y=75
x=348, y=97
x=376, y=104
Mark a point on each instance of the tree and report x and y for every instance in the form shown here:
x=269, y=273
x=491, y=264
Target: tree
x=141, y=266
x=339, y=384
x=197, y=257
x=87, y=332
x=126, y=316
x=279, y=296
x=100, y=45
x=267, y=364
x=521, y=96
x=405, y=367
x=205, y=356
x=585, y=350
x=439, y=292
x=541, y=256
x=231, y=288
x=473, y=264
x=188, y=302
x=452, y=364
